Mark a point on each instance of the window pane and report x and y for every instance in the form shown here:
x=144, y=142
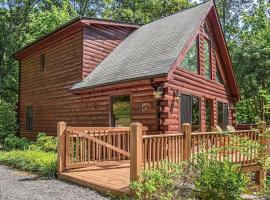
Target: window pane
x=218, y=76
x=205, y=28
x=207, y=67
x=209, y=104
x=186, y=109
x=190, y=111
x=220, y=114
x=29, y=117
x=196, y=122
x=225, y=115
x=121, y=111
x=190, y=61
x=42, y=62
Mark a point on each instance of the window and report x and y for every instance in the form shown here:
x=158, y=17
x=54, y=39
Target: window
x=218, y=76
x=209, y=116
x=207, y=63
x=223, y=115
x=190, y=61
x=29, y=117
x=121, y=116
x=42, y=62
x=206, y=29
x=190, y=111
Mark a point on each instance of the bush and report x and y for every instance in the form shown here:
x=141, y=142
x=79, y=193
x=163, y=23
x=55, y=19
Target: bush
x=46, y=143
x=40, y=162
x=7, y=120
x=219, y=180
x=14, y=142
x=157, y=184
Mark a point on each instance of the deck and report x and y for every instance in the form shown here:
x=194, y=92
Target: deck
x=108, y=176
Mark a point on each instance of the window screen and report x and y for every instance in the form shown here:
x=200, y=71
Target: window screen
x=223, y=115
x=190, y=111
x=121, y=116
x=209, y=116
x=29, y=117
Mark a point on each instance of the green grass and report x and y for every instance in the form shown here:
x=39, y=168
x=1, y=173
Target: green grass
x=40, y=162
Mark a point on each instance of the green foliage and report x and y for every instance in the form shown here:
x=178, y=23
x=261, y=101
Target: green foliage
x=43, y=143
x=14, y=142
x=142, y=11
x=46, y=143
x=219, y=180
x=158, y=183
x=40, y=162
x=7, y=120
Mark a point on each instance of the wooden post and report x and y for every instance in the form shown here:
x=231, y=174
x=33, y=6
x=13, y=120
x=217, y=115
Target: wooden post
x=135, y=151
x=186, y=127
x=61, y=147
x=261, y=175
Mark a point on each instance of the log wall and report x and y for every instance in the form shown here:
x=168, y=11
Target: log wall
x=99, y=41
x=185, y=82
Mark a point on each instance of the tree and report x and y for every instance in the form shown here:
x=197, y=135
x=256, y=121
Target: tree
x=142, y=11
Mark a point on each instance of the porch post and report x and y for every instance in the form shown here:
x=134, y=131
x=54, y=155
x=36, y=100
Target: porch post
x=135, y=151
x=264, y=141
x=186, y=127
x=61, y=146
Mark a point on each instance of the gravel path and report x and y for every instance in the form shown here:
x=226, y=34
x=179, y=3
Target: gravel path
x=17, y=185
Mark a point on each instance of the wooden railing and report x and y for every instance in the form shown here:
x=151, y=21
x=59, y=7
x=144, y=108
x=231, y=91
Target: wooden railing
x=150, y=150
x=85, y=146
x=157, y=148
x=231, y=146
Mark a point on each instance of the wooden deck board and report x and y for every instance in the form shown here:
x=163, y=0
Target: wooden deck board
x=113, y=177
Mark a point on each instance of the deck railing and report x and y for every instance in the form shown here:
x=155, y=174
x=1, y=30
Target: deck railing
x=150, y=150
x=85, y=146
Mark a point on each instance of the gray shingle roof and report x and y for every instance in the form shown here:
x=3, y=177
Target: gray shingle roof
x=149, y=51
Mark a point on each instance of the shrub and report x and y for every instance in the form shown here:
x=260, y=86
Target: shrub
x=219, y=180
x=158, y=183
x=7, y=120
x=46, y=143
x=40, y=162
x=14, y=142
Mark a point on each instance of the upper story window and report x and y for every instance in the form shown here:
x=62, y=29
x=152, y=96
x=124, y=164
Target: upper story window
x=42, y=62
x=218, y=73
x=218, y=76
x=206, y=29
x=190, y=61
x=29, y=117
x=207, y=64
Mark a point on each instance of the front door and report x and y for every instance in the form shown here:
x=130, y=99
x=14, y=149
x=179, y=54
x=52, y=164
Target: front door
x=121, y=115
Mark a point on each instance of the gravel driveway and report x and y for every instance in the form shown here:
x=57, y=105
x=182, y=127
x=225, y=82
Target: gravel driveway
x=18, y=185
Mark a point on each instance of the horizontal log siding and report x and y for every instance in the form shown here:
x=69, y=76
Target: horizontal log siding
x=47, y=91
x=185, y=82
x=99, y=41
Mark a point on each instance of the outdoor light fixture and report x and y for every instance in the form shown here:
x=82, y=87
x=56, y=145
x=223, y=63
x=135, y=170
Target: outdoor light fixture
x=158, y=92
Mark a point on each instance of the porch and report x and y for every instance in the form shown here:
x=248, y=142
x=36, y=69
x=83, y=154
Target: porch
x=107, y=159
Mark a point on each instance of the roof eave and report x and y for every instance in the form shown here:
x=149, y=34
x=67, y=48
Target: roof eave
x=76, y=22
x=98, y=87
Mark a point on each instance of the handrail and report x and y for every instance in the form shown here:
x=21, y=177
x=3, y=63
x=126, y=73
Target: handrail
x=162, y=135
x=105, y=129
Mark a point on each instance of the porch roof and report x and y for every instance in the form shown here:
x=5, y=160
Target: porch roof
x=150, y=51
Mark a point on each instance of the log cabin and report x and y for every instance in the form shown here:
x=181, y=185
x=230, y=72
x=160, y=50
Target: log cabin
x=105, y=73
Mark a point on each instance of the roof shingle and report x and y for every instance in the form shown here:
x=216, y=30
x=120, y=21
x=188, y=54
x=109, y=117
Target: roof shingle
x=150, y=51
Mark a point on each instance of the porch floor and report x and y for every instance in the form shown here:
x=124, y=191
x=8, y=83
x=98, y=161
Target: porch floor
x=107, y=176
